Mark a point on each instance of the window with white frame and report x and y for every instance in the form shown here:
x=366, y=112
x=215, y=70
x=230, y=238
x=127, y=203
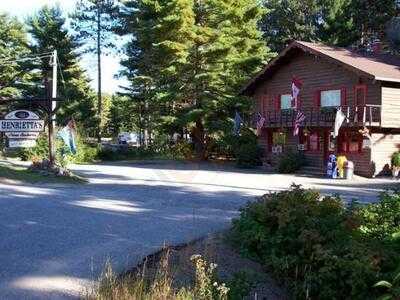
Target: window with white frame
x=331, y=98
x=286, y=101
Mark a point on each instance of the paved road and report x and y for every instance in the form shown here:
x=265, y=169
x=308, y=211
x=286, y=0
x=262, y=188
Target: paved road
x=54, y=239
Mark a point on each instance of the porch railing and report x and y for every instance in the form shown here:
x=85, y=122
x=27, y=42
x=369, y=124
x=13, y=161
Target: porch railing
x=367, y=115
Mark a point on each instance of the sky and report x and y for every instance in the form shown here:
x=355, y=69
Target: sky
x=110, y=65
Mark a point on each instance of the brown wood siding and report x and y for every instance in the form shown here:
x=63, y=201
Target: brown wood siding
x=384, y=145
x=316, y=74
x=390, y=107
x=362, y=163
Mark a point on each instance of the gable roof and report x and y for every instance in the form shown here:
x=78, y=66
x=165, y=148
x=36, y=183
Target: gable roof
x=376, y=67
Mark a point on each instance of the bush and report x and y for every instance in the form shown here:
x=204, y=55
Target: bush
x=396, y=159
x=246, y=150
x=382, y=220
x=291, y=162
x=316, y=244
x=182, y=150
x=85, y=153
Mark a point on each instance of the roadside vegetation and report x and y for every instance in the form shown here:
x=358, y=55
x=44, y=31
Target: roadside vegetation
x=159, y=285
x=23, y=174
x=321, y=248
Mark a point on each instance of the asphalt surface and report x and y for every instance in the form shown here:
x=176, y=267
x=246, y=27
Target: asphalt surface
x=55, y=239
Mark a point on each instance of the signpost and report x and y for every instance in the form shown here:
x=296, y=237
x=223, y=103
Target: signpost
x=22, y=127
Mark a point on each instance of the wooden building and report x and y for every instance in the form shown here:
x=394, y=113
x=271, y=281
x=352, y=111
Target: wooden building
x=365, y=86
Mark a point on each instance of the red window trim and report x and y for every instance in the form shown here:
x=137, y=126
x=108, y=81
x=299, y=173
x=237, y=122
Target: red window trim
x=278, y=102
x=364, y=88
x=343, y=94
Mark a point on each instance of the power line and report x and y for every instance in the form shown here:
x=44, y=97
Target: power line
x=5, y=61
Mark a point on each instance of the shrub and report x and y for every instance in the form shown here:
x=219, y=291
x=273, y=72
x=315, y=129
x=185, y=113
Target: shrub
x=382, y=220
x=246, y=150
x=395, y=159
x=85, y=153
x=291, y=162
x=182, y=150
x=315, y=244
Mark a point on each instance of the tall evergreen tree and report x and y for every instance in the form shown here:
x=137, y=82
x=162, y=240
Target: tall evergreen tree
x=13, y=48
x=94, y=22
x=47, y=28
x=201, y=53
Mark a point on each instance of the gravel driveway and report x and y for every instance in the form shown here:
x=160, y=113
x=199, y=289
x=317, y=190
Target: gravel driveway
x=55, y=239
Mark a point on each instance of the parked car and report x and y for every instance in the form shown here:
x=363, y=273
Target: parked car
x=128, y=138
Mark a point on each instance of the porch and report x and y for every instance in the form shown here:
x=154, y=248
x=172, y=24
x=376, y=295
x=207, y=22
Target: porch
x=356, y=116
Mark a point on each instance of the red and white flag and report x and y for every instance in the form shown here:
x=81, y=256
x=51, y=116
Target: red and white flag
x=296, y=87
x=260, y=123
x=300, y=117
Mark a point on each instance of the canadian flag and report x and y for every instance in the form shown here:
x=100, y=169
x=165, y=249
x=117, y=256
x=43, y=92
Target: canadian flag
x=296, y=87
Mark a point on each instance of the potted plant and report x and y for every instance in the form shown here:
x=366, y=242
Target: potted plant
x=395, y=164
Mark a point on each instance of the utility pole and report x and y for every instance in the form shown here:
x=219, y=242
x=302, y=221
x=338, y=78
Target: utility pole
x=52, y=107
x=99, y=100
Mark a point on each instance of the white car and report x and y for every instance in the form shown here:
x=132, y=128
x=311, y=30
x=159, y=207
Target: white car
x=128, y=138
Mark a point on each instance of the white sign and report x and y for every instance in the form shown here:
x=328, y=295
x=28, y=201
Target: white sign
x=21, y=143
x=21, y=121
x=277, y=149
x=301, y=147
x=22, y=135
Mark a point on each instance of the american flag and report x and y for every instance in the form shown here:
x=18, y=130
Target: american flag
x=260, y=123
x=300, y=117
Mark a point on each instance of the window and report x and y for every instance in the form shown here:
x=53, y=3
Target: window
x=331, y=98
x=279, y=138
x=286, y=101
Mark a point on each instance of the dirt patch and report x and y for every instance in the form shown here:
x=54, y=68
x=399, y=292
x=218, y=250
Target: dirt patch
x=231, y=265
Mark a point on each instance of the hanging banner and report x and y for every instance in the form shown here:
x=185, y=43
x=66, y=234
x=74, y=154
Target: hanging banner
x=21, y=121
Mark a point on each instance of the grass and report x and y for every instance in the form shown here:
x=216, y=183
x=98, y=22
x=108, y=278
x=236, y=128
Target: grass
x=159, y=284
x=19, y=173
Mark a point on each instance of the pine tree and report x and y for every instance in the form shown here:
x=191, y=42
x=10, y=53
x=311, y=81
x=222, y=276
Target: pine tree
x=47, y=28
x=13, y=47
x=201, y=53
x=140, y=68
x=291, y=20
x=94, y=22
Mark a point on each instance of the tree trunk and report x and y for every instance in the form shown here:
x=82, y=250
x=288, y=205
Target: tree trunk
x=199, y=141
x=99, y=100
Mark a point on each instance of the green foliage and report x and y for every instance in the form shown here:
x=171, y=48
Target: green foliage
x=14, y=44
x=392, y=289
x=316, y=244
x=182, y=150
x=339, y=22
x=291, y=162
x=137, y=153
x=241, y=284
x=382, y=220
x=47, y=28
x=188, y=60
x=395, y=159
x=85, y=153
x=37, y=153
x=160, y=286
x=246, y=150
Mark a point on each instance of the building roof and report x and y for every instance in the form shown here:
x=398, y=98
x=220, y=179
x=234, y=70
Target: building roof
x=382, y=67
